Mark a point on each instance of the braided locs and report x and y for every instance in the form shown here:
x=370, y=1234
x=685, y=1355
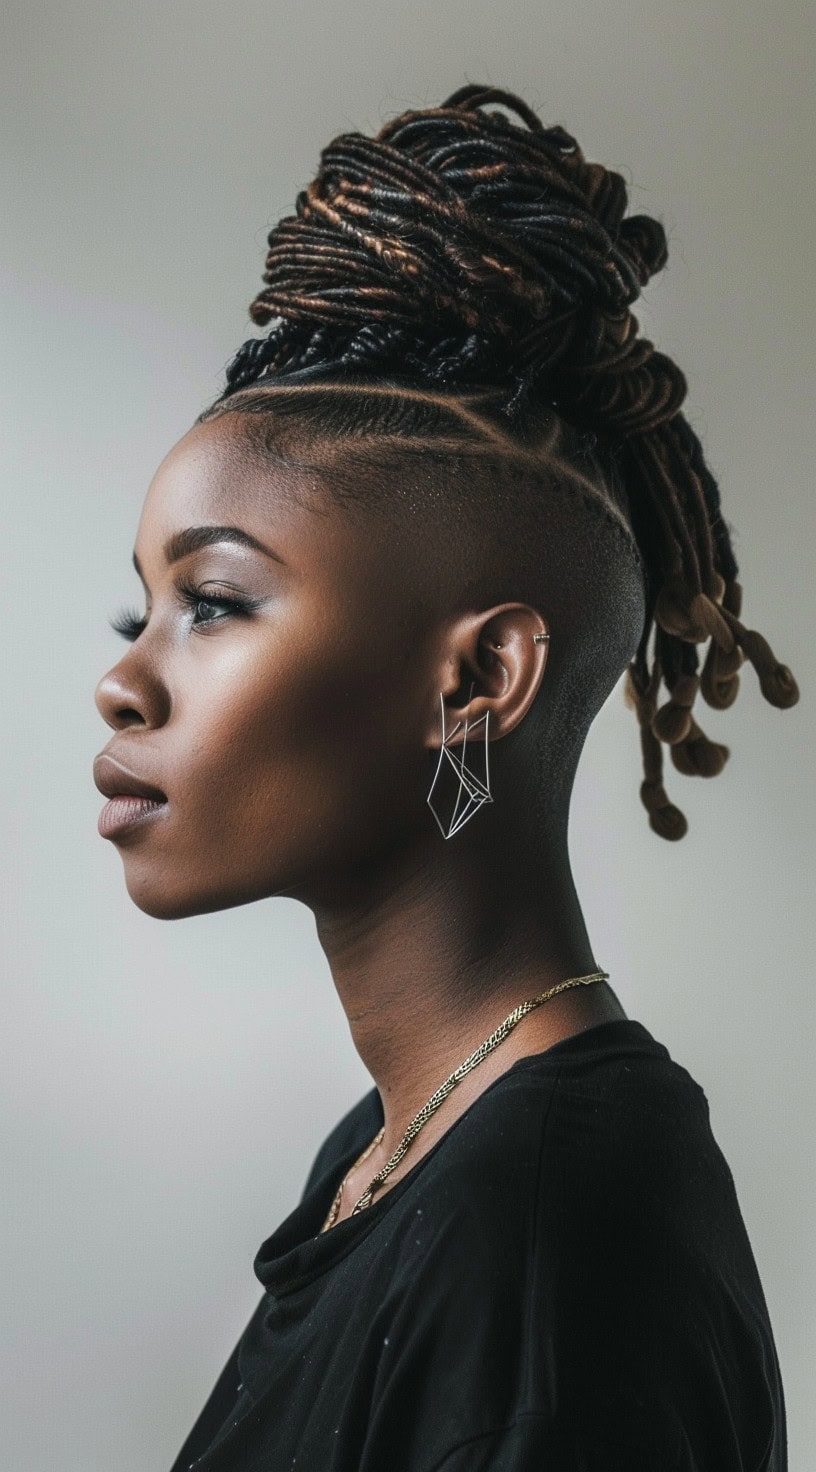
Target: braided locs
x=459, y=247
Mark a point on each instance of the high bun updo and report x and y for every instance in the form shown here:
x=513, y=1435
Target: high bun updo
x=459, y=248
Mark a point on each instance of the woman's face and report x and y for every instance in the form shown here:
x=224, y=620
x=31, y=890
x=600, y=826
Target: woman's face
x=289, y=734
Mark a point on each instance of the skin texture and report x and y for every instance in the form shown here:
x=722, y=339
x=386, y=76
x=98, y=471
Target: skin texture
x=297, y=746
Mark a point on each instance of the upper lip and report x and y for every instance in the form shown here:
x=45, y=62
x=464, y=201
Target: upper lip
x=114, y=779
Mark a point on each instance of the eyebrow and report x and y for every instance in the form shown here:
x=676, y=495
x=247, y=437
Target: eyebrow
x=192, y=538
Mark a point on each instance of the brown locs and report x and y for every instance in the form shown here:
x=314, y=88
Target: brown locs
x=461, y=247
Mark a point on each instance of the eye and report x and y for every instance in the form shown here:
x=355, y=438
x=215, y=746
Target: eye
x=130, y=625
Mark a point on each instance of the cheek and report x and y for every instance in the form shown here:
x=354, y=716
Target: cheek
x=288, y=766
x=278, y=774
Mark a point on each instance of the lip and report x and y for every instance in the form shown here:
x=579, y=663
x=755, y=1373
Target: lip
x=132, y=800
x=114, y=779
x=121, y=813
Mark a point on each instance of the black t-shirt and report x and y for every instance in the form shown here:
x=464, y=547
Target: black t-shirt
x=563, y=1283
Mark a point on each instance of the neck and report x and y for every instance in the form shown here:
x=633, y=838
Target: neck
x=429, y=959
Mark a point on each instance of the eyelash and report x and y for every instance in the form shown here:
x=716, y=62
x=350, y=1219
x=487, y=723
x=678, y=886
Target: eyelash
x=130, y=625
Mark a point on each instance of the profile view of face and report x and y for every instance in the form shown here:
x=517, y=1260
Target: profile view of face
x=281, y=699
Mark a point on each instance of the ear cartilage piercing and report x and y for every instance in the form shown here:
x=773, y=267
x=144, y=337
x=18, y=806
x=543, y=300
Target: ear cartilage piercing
x=537, y=639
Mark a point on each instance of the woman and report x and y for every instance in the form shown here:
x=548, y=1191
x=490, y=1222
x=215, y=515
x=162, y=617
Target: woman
x=433, y=518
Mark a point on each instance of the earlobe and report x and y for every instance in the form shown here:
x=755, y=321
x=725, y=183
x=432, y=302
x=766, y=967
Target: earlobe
x=474, y=789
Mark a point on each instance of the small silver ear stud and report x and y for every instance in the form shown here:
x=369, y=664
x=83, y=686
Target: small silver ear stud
x=537, y=639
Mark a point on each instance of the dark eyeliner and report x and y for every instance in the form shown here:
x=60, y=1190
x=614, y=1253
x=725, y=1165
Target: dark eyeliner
x=130, y=625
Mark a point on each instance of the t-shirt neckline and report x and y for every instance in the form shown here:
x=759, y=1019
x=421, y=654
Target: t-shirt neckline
x=298, y=1251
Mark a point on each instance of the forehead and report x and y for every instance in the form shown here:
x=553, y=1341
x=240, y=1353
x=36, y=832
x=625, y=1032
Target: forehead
x=214, y=469
x=218, y=476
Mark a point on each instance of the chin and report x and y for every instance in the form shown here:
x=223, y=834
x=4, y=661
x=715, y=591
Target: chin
x=165, y=903
x=168, y=899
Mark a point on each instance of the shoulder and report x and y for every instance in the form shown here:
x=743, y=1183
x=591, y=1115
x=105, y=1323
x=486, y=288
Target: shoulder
x=589, y=1173
x=632, y=1190
x=623, y=1263
x=578, y=1231
x=629, y=1144
x=606, y=1120
x=641, y=1256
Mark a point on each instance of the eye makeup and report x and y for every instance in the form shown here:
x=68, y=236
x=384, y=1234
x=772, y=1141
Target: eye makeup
x=130, y=625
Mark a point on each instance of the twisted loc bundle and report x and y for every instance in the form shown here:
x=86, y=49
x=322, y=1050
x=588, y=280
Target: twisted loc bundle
x=460, y=247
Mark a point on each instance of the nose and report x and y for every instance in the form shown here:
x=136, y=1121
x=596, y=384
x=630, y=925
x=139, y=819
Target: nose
x=117, y=705
x=127, y=697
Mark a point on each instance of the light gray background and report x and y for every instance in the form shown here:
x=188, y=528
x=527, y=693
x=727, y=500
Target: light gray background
x=165, y=1087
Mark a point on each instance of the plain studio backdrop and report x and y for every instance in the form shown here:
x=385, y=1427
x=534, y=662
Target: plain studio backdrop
x=165, y=1086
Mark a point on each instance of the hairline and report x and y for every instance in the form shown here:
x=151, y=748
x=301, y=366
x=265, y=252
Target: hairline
x=495, y=445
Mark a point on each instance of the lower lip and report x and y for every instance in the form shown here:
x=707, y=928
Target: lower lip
x=121, y=813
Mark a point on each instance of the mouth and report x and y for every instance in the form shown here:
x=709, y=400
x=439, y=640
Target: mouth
x=121, y=813
x=132, y=800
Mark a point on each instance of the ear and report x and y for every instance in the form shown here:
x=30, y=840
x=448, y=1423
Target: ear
x=490, y=661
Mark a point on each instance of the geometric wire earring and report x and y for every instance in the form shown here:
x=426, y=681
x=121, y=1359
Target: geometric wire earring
x=478, y=790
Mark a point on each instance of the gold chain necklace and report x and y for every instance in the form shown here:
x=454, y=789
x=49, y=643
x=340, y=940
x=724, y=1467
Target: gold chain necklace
x=442, y=1092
